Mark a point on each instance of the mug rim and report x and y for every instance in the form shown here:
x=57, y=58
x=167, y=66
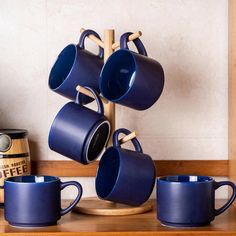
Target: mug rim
x=9, y=180
x=50, y=74
x=164, y=179
x=108, y=60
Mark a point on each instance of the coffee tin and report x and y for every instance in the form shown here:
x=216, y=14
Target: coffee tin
x=14, y=155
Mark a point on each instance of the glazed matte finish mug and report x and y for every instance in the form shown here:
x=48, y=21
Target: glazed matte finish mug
x=184, y=200
x=131, y=79
x=76, y=66
x=125, y=176
x=78, y=132
x=35, y=201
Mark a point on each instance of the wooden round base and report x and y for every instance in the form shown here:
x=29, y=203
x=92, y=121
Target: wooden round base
x=95, y=206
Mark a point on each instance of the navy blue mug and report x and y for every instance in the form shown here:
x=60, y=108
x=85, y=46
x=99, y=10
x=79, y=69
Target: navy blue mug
x=78, y=132
x=76, y=66
x=125, y=176
x=131, y=79
x=189, y=201
x=35, y=201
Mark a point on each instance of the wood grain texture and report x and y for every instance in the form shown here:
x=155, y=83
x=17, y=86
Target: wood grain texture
x=74, y=169
x=140, y=225
x=232, y=90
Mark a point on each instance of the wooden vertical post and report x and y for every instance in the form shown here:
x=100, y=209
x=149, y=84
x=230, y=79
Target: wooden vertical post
x=109, y=108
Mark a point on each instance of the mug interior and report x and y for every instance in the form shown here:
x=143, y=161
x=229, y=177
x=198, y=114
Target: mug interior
x=186, y=178
x=117, y=75
x=32, y=179
x=62, y=67
x=98, y=141
x=108, y=172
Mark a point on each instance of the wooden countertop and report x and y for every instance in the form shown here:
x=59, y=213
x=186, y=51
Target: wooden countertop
x=143, y=224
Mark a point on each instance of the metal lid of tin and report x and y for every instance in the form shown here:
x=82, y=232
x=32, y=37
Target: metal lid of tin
x=14, y=133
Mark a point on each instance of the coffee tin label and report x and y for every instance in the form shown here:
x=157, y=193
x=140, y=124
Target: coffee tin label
x=10, y=167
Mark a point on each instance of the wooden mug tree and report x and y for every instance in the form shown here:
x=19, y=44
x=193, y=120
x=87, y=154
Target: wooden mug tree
x=95, y=206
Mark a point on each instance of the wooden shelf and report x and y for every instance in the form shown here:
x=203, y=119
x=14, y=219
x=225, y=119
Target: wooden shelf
x=143, y=224
x=163, y=167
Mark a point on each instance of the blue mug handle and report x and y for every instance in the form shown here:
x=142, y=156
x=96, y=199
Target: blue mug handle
x=87, y=33
x=80, y=191
x=232, y=198
x=138, y=43
x=116, y=143
x=96, y=96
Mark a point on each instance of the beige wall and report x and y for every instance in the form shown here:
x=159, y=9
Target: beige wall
x=188, y=37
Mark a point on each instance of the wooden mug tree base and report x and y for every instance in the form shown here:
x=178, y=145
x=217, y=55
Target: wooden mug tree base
x=95, y=206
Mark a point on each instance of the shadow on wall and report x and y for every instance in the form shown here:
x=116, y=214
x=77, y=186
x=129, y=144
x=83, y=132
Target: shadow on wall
x=34, y=150
x=183, y=99
x=183, y=81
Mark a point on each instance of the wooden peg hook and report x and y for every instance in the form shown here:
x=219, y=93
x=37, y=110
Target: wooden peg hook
x=130, y=38
x=128, y=137
x=88, y=93
x=96, y=40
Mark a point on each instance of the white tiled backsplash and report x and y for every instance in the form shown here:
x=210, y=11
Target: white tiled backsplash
x=188, y=37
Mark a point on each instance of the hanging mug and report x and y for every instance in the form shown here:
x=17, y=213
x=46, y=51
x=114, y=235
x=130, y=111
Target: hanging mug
x=131, y=79
x=78, y=132
x=125, y=176
x=76, y=66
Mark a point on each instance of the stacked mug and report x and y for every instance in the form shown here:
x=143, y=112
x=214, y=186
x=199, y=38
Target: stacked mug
x=81, y=134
